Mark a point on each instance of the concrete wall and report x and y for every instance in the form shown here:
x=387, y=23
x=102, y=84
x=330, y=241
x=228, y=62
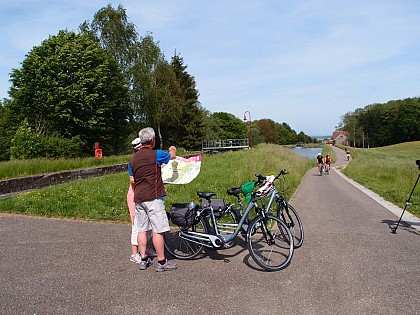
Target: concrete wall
x=14, y=185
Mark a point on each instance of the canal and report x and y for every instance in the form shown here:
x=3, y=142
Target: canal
x=309, y=153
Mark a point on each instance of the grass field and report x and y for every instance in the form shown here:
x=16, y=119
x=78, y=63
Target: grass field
x=389, y=171
x=104, y=198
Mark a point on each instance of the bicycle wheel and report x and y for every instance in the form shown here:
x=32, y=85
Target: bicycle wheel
x=292, y=220
x=270, y=243
x=228, y=221
x=226, y=224
x=182, y=248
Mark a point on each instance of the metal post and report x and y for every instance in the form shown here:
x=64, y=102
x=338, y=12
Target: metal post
x=407, y=202
x=250, y=127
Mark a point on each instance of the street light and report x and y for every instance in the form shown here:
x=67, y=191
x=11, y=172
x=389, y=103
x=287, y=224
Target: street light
x=250, y=127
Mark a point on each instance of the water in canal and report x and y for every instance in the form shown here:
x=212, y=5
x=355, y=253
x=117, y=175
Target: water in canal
x=309, y=153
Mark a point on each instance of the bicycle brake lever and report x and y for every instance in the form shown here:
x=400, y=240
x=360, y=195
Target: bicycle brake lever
x=260, y=178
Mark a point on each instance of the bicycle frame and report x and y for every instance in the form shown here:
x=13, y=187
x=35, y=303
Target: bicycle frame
x=216, y=239
x=232, y=208
x=269, y=240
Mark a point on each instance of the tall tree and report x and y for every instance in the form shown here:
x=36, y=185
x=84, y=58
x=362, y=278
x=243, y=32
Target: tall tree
x=191, y=128
x=115, y=34
x=155, y=88
x=5, y=131
x=230, y=127
x=70, y=86
x=384, y=124
x=267, y=129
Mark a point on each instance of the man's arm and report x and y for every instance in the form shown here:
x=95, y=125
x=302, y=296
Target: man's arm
x=172, y=151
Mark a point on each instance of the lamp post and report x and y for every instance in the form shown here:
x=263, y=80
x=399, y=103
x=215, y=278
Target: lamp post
x=250, y=127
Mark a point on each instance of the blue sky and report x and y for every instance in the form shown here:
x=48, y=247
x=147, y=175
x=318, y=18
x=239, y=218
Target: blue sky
x=305, y=63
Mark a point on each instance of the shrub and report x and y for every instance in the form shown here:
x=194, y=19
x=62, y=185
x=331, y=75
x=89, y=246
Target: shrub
x=26, y=144
x=56, y=147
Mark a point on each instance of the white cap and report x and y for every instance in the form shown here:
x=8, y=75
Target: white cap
x=136, y=144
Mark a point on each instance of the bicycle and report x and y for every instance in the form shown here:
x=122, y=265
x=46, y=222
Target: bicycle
x=284, y=211
x=269, y=241
x=321, y=168
x=327, y=168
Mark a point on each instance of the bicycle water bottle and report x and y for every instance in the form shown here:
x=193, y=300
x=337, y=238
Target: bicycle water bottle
x=191, y=205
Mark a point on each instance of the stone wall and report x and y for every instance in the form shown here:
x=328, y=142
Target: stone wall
x=15, y=185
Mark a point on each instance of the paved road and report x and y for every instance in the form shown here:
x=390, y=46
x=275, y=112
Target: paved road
x=350, y=263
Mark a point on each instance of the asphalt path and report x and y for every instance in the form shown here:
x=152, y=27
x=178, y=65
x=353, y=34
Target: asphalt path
x=350, y=263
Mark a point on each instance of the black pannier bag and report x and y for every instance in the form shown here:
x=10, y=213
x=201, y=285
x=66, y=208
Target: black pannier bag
x=181, y=215
x=218, y=205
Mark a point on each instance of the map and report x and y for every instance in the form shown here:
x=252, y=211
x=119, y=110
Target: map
x=181, y=170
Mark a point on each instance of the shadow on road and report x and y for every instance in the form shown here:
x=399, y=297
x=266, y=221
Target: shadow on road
x=403, y=226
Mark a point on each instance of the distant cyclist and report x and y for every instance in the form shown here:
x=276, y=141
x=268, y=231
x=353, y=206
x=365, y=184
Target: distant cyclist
x=348, y=154
x=328, y=161
x=320, y=163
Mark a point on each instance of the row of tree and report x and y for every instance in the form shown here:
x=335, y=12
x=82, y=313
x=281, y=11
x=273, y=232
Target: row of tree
x=383, y=124
x=103, y=84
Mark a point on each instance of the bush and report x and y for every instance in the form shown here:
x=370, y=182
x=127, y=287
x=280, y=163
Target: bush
x=56, y=147
x=25, y=143
x=28, y=145
x=4, y=148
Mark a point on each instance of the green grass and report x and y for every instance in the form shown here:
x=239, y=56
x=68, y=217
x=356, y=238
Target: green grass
x=104, y=198
x=389, y=171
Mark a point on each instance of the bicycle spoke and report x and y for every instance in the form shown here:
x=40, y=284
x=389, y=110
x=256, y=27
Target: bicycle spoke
x=271, y=246
x=182, y=248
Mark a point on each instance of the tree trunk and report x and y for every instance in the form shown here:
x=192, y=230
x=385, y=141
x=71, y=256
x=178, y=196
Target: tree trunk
x=160, y=137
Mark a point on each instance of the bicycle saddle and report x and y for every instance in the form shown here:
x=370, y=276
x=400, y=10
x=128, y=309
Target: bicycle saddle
x=206, y=195
x=234, y=191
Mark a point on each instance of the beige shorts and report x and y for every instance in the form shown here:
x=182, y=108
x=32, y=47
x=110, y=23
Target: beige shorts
x=151, y=215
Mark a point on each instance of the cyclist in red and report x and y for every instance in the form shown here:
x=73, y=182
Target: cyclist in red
x=328, y=161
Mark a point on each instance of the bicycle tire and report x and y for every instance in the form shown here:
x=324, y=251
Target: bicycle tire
x=227, y=224
x=181, y=248
x=228, y=217
x=270, y=254
x=292, y=220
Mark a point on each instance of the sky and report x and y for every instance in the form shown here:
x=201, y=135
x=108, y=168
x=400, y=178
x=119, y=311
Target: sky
x=305, y=63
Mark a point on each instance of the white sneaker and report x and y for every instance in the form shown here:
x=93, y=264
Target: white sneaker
x=135, y=258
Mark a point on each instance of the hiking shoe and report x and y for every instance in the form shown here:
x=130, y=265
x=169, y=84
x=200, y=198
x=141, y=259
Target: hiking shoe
x=165, y=267
x=145, y=263
x=135, y=258
x=150, y=252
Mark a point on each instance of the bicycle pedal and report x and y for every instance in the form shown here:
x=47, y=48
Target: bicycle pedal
x=228, y=245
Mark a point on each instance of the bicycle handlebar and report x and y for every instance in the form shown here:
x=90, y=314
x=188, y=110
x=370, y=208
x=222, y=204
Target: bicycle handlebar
x=261, y=178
